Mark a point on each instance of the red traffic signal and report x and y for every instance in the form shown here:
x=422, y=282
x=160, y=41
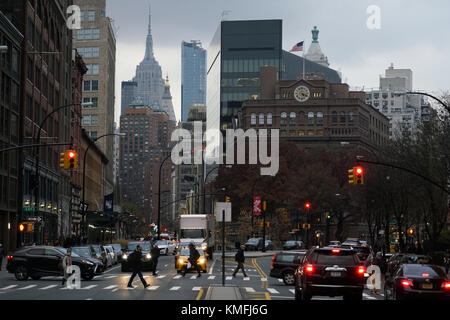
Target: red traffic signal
x=359, y=170
x=308, y=205
x=21, y=227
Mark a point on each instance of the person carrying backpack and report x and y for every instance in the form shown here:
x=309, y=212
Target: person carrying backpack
x=194, y=255
x=135, y=260
x=240, y=259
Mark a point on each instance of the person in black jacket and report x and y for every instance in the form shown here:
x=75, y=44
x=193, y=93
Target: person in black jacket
x=2, y=254
x=155, y=255
x=135, y=259
x=240, y=259
x=194, y=255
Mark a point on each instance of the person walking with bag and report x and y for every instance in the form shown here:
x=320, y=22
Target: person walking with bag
x=194, y=255
x=135, y=259
x=240, y=259
x=66, y=262
x=155, y=255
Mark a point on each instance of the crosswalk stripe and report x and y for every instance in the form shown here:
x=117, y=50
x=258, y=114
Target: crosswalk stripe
x=115, y=289
x=194, y=277
x=229, y=277
x=248, y=289
x=160, y=277
x=196, y=288
x=28, y=287
x=211, y=277
x=48, y=287
x=9, y=287
x=110, y=287
x=263, y=279
x=280, y=280
x=292, y=290
x=246, y=278
x=271, y=290
x=174, y=288
x=110, y=277
x=177, y=276
x=153, y=288
x=89, y=287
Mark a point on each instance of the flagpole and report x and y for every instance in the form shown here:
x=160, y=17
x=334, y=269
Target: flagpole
x=303, y=57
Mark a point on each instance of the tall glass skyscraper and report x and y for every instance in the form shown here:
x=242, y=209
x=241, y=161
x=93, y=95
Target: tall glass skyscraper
x=193, y=76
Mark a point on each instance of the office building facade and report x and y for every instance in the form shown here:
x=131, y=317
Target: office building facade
x=127, y=95
x=193, y=76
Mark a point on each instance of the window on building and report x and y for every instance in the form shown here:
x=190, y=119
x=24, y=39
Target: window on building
x=91, y=16
x=253, y=119
x=283, y=118
x=90, y=85
x=93, y=69
x=342, y=117
x=269, y=118
x=350, y=116
x=82, y=15
x=310, y=118
x=261, y=118
x=88, y=34
x=334, y=117
x=292, y=116
x=310, y=132
x=94, y=101
x=319, y=118
x=89, y=52
x=319, y=132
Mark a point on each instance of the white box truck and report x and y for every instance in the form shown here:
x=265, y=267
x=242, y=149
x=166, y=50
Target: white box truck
x=199, y=229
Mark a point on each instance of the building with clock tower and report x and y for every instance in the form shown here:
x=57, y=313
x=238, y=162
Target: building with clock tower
x=313, y=112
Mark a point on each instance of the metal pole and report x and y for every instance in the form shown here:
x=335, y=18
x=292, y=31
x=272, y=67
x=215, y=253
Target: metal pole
x=223, y=248
x=264, y=231
x=307, y=229
x=159, y=195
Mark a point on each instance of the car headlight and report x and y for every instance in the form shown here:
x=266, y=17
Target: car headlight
x=180, y=260
x=87, y=262
x=204, y=246
x=201, y=260
x=124, y=257
x=148, y=256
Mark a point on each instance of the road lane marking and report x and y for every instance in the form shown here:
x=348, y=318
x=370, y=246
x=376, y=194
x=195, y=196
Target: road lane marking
x=153, y=288
x=211, y=277
x=177, y=276
x=115, y=290
x=280, y=280
x=271, y=290
x=48, y=287
x=196, y=288
x=114, y=268
x=110, y=277
x=110, y=287
x=263, y=279
x=212, y=267
x=28, y=287
x=292, y=290
x=246, y=278
x=248, y=289
x=89, y=287
x=194, y=277
x=200, y=293
x=9, y=287
x=174, y=288
x=160, y=277
x=229, y=277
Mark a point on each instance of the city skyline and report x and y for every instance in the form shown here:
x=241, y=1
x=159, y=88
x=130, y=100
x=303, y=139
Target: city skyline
x=359, y=53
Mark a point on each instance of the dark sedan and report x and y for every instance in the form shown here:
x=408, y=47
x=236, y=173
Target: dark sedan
x=292, y=245
x=254, y=244
x=417, y=281
x=44, y=261
x=131, y=246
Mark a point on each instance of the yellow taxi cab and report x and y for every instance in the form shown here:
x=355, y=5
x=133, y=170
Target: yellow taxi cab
x=182, y=257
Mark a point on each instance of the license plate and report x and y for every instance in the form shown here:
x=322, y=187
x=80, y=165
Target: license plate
x=335, y=274
x=427, y=286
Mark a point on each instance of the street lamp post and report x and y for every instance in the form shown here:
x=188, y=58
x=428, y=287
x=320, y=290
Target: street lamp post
x=84, y=220
x=159, y=194
x=204, y=188
x=36, y=155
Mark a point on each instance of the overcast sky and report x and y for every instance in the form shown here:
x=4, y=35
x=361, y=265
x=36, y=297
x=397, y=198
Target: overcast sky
x=414, y=34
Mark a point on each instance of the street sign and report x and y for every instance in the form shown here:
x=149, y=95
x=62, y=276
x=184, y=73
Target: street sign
x=28, y=209
x=257, y=205
x=218, y=212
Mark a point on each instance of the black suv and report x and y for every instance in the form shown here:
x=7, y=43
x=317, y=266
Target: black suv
x=42, y=261
x=284, y=265
x=330, y=272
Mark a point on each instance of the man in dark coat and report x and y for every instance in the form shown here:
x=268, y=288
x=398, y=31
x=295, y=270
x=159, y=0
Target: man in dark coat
x=240, y=259
x=135, y=259
x=155, y=255
x=194, y=255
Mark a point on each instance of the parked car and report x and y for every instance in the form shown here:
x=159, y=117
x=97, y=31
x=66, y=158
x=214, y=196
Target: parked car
x=284, y=265
x=417, y=281
x=118, y=249
x=254, y=244
x=268, y=245
x=112, y=257
x=44, y=261
x=293, y=245
x=85, y=252
x=183, y=256
x=330, y=271
x=334, y=243
x=100, y=253
x=131, y=246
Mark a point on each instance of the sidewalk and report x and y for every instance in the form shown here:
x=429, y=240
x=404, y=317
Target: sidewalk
x=223, y=293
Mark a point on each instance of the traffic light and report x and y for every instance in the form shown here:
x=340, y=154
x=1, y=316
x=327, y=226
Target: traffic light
x=328, y=215
x=359, y=175
x=72, y=157
x=307, y=205
x=351, y=176
x=21, y=227
x=26, y=227
x=63, y=161
x=411, y=231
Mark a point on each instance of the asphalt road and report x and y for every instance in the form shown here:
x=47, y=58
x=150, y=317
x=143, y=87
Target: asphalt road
x=167, y=285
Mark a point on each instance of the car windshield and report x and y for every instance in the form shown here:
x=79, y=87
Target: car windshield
x=84, y=252
x=64, y=251
x=415, y=270
x=161, y=243
x=185, y=252
x=253, y=241
x=118, y=247
x=192, y=233
x=131, y=246
x=96, y=249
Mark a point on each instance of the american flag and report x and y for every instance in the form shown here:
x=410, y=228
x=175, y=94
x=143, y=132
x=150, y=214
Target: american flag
x=297, y=47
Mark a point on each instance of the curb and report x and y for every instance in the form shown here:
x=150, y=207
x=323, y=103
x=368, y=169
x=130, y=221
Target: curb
x=237, y=293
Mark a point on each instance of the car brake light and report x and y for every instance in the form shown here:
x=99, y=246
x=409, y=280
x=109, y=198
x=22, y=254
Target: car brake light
x=406, y=283
x=273, y=259
x=335, y=250
x=446, y=285
x=309, y=268
x=425, y=275
x=361, y=270
x=9, y=257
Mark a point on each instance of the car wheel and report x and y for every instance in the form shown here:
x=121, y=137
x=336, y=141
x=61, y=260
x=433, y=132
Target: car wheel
x=35, y=277
x=88, y=277
x=21, y=273
x=288, y=278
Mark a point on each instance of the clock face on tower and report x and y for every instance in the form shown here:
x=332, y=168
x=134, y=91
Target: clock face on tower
x=301, y=93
